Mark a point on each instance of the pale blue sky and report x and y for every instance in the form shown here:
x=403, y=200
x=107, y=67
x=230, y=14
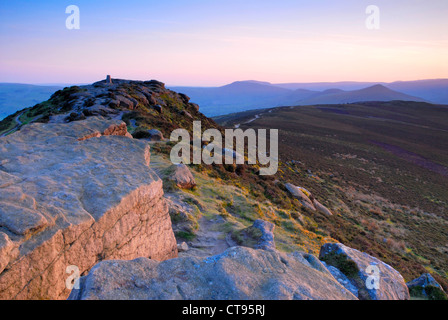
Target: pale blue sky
x=197, y=42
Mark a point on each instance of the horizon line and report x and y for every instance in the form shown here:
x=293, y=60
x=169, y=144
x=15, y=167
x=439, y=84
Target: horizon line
x=50, y=84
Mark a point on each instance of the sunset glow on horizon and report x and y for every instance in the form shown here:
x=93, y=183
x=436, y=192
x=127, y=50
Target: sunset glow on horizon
x=208, y=43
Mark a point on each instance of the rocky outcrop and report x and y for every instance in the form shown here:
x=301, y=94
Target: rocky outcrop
x=342, y=279
x=321, y=208
x=181, y=213
x=186, y=114
x=426, y=287
x=99, y=110
x=73, y=195
x=8, y=250
x=182, y=177
x=150, y=135
x=182, y=247
x=155, y=135
x=238, y=273
x=266, y=228
x=301, y=194
x=196, y=106
x=258, y=236
x=248, y=273
x=372, y=278
x=140, y=104
x=307, y=199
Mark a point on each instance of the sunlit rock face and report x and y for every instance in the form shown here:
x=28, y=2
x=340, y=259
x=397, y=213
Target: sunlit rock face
x=72, y=195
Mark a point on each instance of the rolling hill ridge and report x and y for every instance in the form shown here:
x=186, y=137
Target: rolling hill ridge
x=248, y=95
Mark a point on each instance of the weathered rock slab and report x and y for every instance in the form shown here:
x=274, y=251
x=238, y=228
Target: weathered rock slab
x=307, y=199
x=342, y=279
x=426, y=287
x=239, y=273
x=301, y=195
x=183, y=177
x=374, y=279
x=75, y=194
x=260, y=235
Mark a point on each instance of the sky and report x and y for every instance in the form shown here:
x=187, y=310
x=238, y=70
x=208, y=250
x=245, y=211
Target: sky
x=214, y=42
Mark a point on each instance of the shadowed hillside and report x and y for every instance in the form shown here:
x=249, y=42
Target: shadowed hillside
x=374, y=93
x=370, y=175
x=382, y=166
x=248, y=95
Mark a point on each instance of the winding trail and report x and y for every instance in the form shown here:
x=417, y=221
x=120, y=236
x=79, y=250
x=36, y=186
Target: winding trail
x=18, y=125
x=257, y=116
x=209, y=239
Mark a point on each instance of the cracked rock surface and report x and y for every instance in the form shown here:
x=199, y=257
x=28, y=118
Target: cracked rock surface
x=239, y=273
x=75, y=194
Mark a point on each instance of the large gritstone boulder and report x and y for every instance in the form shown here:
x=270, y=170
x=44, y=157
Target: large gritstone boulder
x=238, y=273
x=426, y=287
x=72, y=195
x=371, y=278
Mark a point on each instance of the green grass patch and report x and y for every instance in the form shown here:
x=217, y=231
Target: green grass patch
x=185, y=235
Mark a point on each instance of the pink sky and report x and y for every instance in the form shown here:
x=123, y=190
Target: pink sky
x=214, y=43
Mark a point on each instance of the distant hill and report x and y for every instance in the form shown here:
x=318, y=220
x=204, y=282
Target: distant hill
x=431, y=90
x=298, y=95
x=374, y=93
x=252, y=87
x=235, y=97
x=16, y=96
x=434, y=90
x=249, y=95
x=321, y=86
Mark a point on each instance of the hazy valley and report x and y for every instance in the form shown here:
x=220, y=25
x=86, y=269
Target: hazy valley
x=246, y=95
x=16, y=96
